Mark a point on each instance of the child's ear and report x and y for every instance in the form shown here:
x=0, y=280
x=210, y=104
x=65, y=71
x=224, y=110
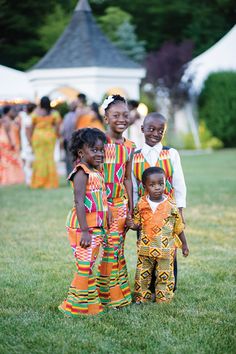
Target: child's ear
x=106, y=118
x=142, y=128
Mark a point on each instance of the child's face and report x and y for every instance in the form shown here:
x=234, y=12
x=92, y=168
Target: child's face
x=155, y=186
x=117, y=117
x=153, y=130
x=93, y=156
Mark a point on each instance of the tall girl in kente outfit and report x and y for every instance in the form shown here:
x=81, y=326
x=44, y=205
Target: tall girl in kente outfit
x=87, y=221
x=113, y=282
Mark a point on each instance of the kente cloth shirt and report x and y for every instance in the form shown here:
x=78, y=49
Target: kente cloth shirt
x=151, y=155
x=159, y=230
x=154, y=205
x=95, y=201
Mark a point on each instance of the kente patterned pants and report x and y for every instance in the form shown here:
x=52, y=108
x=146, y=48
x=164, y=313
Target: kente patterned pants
x=113, y=284
x=164, y=272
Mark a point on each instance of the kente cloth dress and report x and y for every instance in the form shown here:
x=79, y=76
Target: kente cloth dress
x=113, y=283
x=82, y=298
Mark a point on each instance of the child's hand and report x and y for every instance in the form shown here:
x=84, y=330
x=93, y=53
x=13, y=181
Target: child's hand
x=185, y=250
x=85, y=240
x=129, y=221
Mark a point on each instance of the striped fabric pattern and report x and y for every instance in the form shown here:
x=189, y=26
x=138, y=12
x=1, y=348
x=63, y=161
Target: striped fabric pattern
x=116, y=157
x=82, y=298
x=156, y=248
x=112, y=281
x=95, y=201
x=140, y=164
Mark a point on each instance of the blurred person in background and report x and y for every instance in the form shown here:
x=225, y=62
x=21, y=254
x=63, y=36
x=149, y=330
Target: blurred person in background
x=87, y=116
x=11, y=169
x=44, y=132
x=25, y=121
x=133, y=132
x=67, y=128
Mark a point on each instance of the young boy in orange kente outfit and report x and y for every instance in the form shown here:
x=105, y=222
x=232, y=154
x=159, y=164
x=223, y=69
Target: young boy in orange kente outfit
x=161, y=231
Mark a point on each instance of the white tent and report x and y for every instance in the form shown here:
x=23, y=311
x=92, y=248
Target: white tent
x=14, y=85
x=220, y=57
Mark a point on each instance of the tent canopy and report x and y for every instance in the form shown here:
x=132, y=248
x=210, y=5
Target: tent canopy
x=220, y=57
x=14, y=85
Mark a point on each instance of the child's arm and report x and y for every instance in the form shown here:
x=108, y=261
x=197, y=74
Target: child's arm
x=128, y=184
x=178, y=182
x=80, y=181
x=182, y=214
x=135, y=186
x=185, y=249
x=130, y=223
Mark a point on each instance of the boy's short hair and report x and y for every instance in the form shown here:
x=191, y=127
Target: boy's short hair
x=150, y=171
x=154, y=115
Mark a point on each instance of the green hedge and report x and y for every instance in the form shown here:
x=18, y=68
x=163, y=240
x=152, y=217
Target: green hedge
x=217, y=106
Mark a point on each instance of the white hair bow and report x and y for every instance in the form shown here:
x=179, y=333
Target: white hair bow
x=107, y=101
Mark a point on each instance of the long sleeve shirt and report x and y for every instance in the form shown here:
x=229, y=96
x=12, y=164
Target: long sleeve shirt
x=151, y=154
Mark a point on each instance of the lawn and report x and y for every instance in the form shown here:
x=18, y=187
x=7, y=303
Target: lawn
x=37, y=268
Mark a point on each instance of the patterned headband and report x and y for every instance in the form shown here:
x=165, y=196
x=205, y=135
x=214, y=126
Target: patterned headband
x=107, y=101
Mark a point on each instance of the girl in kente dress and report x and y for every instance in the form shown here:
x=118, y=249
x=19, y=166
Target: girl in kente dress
x=113, y=284
x=87, y=221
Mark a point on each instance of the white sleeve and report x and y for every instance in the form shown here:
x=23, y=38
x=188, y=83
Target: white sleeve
x=135, y=186
x=28, y=121
x=178, y=181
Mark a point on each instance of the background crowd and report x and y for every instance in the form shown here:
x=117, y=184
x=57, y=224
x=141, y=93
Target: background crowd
x=31, y=134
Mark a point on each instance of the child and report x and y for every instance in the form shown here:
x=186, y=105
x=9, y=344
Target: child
x=154, y=153
x=161, y=231
x=86, y=221
x=113, y=284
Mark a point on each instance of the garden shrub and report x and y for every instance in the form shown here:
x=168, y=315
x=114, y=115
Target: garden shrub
x=217, y=106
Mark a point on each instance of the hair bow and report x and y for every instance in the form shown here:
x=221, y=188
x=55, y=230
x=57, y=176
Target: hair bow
x=107, y=101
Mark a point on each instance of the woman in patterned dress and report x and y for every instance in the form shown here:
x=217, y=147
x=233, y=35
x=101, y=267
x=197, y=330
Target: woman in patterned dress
x=11, y=168
x=45, y=130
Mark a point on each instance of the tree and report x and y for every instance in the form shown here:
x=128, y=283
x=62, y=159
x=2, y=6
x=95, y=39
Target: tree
x=159, y=21
x=116, y=24
x=53, y=27
x=165, y=68
x=217, y=106
x=128, y=43
x=19, y=25
x=110, y=22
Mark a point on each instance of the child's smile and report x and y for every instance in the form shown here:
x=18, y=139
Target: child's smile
x=154, y=130
x=118, y=117
x=93, y=155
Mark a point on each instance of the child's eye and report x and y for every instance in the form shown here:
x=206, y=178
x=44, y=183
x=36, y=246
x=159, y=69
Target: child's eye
x=94, y=150
x=151, y=129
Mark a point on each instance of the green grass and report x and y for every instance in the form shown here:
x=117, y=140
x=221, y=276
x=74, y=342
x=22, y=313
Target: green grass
x=37, y=268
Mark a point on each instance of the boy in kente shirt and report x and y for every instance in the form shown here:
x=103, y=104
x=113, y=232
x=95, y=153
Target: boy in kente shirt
x=153, y=153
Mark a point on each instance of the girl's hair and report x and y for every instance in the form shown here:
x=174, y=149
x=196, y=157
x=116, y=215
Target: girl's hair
x=150, y=171
x=116, y=98
x=88, y=136
x=45, y=103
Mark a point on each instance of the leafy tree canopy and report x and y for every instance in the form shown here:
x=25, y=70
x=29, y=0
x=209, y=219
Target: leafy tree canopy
x=217, y=106
x=28, y=28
